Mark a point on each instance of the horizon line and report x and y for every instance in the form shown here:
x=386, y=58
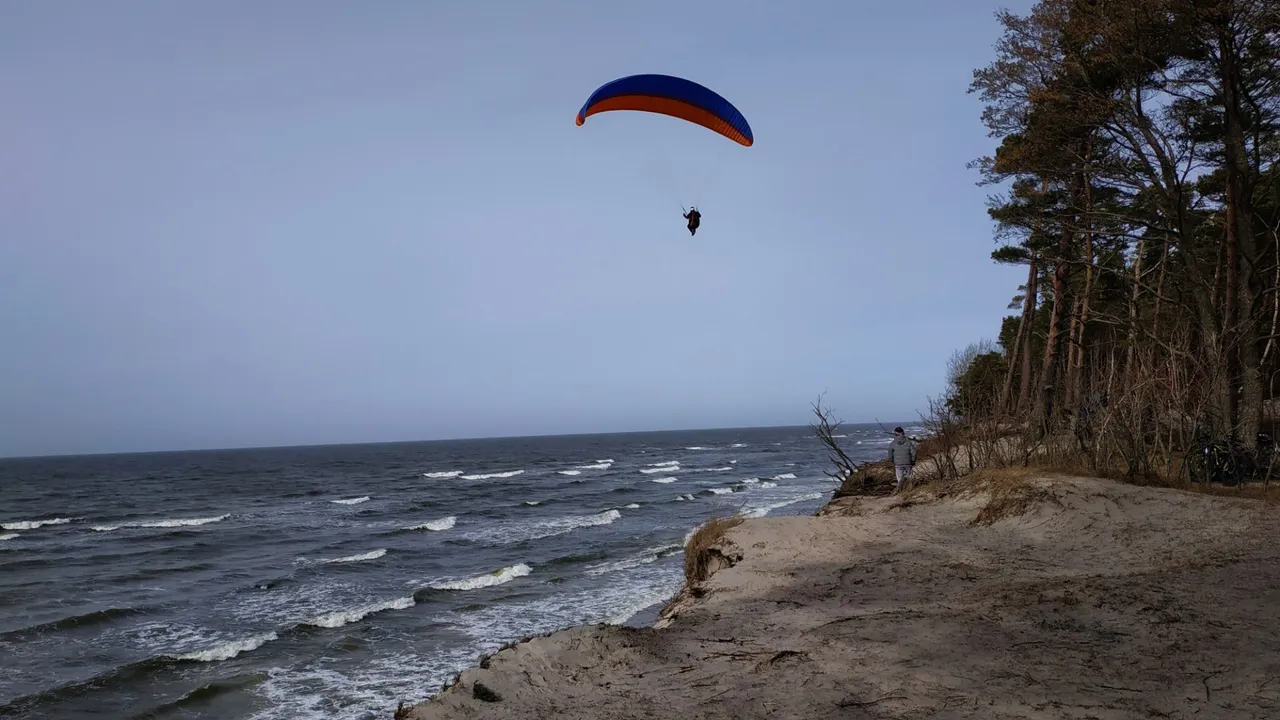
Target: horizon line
x=241, y=448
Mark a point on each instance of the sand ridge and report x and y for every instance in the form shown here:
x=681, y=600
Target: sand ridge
x=1101, y=600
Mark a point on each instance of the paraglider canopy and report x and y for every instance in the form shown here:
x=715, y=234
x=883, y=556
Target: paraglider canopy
x=672, y=96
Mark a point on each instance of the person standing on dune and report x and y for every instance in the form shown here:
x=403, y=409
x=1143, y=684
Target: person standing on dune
x=902, y=453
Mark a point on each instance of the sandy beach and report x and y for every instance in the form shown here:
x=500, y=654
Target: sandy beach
x=1010, y=596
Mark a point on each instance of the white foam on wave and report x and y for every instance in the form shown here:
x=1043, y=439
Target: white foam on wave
x=228, y=650
x=443, y=474
x=569, y=472
x=178, y=522
x=768, y=484
x=766, y=509
x=733, y=462
x=8, y=536
x=521, y=532
x=351, y=501
x=738, y=445
x=685, y=497
x=613, y=603
x=184, y=522
x=357, y=691
x=720, y=491
x=437, y=525
x=531, y=503
x=497, y=577
x=371, y=555
x=339, y=618
x=632, y=506
x=644, y=557
x=665, y=463
x=660, y=469
x=602, y=465
x=664, y=481
x=695, y=447
x=33, y=524
x=785, y=476
x=491, y=476
x=750, y=481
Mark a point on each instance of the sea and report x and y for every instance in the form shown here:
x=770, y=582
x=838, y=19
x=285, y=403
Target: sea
x=337, y=581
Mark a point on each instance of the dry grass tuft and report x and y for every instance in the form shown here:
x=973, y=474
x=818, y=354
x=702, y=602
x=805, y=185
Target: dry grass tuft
x=1011, y=492
x=872, y=479
x=700, y=553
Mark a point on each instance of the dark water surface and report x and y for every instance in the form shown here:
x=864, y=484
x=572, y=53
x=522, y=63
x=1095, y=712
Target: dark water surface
x=333, y=582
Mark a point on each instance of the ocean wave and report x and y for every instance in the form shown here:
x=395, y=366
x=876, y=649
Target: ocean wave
x=644, y=557
x=766, y=509
x=785, y=476
x=173, y=523
x=719, y=491
x=33, y=524
x=436, y=525
x=738, y=445
x=371, y=555
x=598, y=465
x=685, y=497
x=72, y=622
x=339, y=618
x=523, y=532
x=531, y=503
x=768, y=484
x=665, y=480
x=351, y=501
x=8, y=536
x=632, y=506
x=726, y=468
x=660, y=469
x=492, y=476
x=443, y=474
x=497, y=577
x=696, y=447
x=569, y=472
x=227, y=650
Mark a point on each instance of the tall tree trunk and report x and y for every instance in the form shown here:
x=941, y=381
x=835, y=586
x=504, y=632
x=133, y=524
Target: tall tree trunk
x=1240, y=232
x=1164, y=264
x=1033, y=296
x=1044, y=408
x=1131, y=340
x=1024, y=328
x=1077, y=370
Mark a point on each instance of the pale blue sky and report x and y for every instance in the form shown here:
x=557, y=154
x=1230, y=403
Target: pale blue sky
x=257, y=223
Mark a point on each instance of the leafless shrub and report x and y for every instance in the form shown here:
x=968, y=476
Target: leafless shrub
x=826, y=430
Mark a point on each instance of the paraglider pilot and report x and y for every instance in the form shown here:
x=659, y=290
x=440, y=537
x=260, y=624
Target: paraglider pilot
x=695, y=218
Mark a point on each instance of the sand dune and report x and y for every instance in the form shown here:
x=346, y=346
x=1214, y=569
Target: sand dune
x=1099, y=600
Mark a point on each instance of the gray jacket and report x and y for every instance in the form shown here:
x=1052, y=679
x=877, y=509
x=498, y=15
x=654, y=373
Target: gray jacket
x=902, y=451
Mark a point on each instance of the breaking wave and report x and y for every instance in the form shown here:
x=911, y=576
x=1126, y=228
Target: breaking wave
x=351, y=501
x=436, y=525
x=33, y=524
x=492, y=476
x=497, y=577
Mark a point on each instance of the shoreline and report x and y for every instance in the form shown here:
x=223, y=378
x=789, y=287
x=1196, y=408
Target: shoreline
x=1018, y=595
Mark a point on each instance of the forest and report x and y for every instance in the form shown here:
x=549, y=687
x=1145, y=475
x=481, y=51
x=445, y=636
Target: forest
x=1134, y=175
